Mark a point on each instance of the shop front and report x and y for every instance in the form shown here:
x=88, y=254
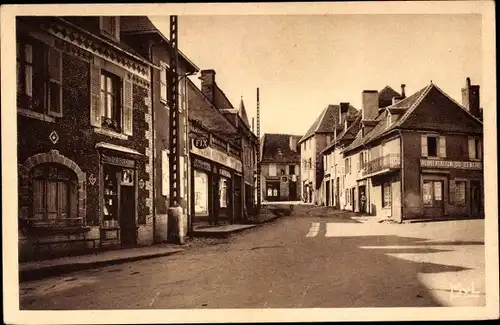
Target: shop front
x=119, y=196
x=216, y=188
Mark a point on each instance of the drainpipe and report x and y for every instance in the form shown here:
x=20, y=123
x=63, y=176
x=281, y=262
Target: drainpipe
x=153, y=131
x=401, y=150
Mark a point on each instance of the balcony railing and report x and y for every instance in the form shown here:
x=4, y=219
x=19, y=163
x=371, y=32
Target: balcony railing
x=389, y=161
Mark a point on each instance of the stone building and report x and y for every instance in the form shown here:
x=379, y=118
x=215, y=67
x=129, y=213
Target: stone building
x=420, y=157
x=148, y=41
x=84, y=136
x=321, y=132
x=280, y=167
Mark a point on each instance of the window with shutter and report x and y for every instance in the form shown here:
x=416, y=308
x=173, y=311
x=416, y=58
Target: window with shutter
x=96, y=109
x=165, y=174
x=423, y=139
x=110, y=26
x=474, y=148
x=127, y=107
x=55, y=82
x=442, y=147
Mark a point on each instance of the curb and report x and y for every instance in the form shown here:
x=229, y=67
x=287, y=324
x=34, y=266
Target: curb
x=54, y=270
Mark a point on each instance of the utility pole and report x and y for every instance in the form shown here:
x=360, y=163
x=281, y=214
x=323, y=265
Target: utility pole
x=259, y=189
x=175, y=209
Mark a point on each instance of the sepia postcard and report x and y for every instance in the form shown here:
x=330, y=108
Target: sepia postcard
x=249, y=162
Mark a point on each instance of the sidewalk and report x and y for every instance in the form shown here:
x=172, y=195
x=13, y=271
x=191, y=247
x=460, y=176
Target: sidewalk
x=29, y=271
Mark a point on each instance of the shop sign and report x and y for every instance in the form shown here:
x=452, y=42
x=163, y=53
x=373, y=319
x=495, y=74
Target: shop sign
x=200, y=142
x=224, y=173
x=474, y=165
x=200, y=164
x=117, y=161
x=219, y=157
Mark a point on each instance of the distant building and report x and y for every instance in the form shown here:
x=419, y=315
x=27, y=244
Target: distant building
x=280, y=167
x=420, y=157
x=322, y=132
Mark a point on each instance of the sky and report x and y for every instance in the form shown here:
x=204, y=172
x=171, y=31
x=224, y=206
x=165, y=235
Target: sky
x=303, y=63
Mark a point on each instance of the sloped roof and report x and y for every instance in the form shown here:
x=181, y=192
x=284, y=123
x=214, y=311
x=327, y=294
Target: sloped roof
x=409, y=106
x=328, y=121
x=346, y=134
x=276, y=148
x=385, y=96
x=143, y=25
x=201, y=110
x=243, y=113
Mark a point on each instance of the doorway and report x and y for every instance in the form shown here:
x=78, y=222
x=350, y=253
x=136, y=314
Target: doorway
x=327, y=187
x=362, y=199
x=475, y=198
x=128, y=230
x=292, y=190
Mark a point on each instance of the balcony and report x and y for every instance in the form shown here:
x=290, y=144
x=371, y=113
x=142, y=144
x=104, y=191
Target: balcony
x=382, y=165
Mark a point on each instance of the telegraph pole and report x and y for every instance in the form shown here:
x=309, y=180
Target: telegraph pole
x=175, y=210
x=259, y=189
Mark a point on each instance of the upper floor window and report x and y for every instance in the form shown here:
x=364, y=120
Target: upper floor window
x=361, y=161
x=272, y=170
x=433, y=146
x=110, y=101
x=110, y=26
x=475, y=148
x=39, y=77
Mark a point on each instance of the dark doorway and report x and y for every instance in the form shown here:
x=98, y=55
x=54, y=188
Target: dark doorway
x=327, y=193
x=475, y=198
x=292, y=190
x=128, y=230
x=337, y=196
x=237, y=200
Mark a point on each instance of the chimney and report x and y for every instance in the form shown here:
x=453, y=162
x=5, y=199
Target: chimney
x=344, y=109
x=470, y=98
x=403, y=95
x=293, y=143
x=370, y=105
x=208, y=84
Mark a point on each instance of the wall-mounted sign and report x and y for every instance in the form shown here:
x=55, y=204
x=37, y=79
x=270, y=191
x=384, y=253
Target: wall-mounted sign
x=224, y=173
x=127, y=177
x=429, y=163
x=201, y=142
x=220, y=157
x=284, y=179
x=118, y=161
x=203, y=165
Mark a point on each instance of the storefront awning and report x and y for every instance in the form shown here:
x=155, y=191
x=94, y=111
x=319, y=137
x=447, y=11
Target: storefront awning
x=115, y=147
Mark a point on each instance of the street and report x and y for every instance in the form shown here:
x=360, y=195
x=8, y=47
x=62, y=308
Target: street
x=316, y=257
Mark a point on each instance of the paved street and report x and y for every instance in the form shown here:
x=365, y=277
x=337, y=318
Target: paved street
x=309, y=259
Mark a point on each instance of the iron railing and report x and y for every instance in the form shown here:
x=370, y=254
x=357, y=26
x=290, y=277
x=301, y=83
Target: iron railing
x=389, y=161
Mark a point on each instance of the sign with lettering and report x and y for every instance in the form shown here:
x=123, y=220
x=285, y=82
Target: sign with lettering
x=200, y=164
x=472, y=165
x=219, y=157
x=224, y=173
x=200, y=142
x=117, y=161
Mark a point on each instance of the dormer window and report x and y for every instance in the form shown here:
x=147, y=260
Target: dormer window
x=110, y=26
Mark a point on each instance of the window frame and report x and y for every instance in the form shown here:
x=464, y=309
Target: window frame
x=115, y=23
x=386, y=204
x=436, y=138
x=117, y=100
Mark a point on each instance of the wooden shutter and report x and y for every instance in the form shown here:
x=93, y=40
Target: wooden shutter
x=472, y=148
x=127, y=107
x=62, y=194
x=442, y=146
x=360, y=157
x=55, y=82
x=95, y=96
x=424, y=145
x=165, y=173
x=38, y=198
x=163, y=82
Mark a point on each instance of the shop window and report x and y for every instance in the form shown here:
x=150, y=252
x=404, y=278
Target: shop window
x=432, y=193
x=200, y=193
x=386, y=195
x=39, y=78
x=460, y=191
x=475, y=146
x=54, y=193
x=223, y=193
